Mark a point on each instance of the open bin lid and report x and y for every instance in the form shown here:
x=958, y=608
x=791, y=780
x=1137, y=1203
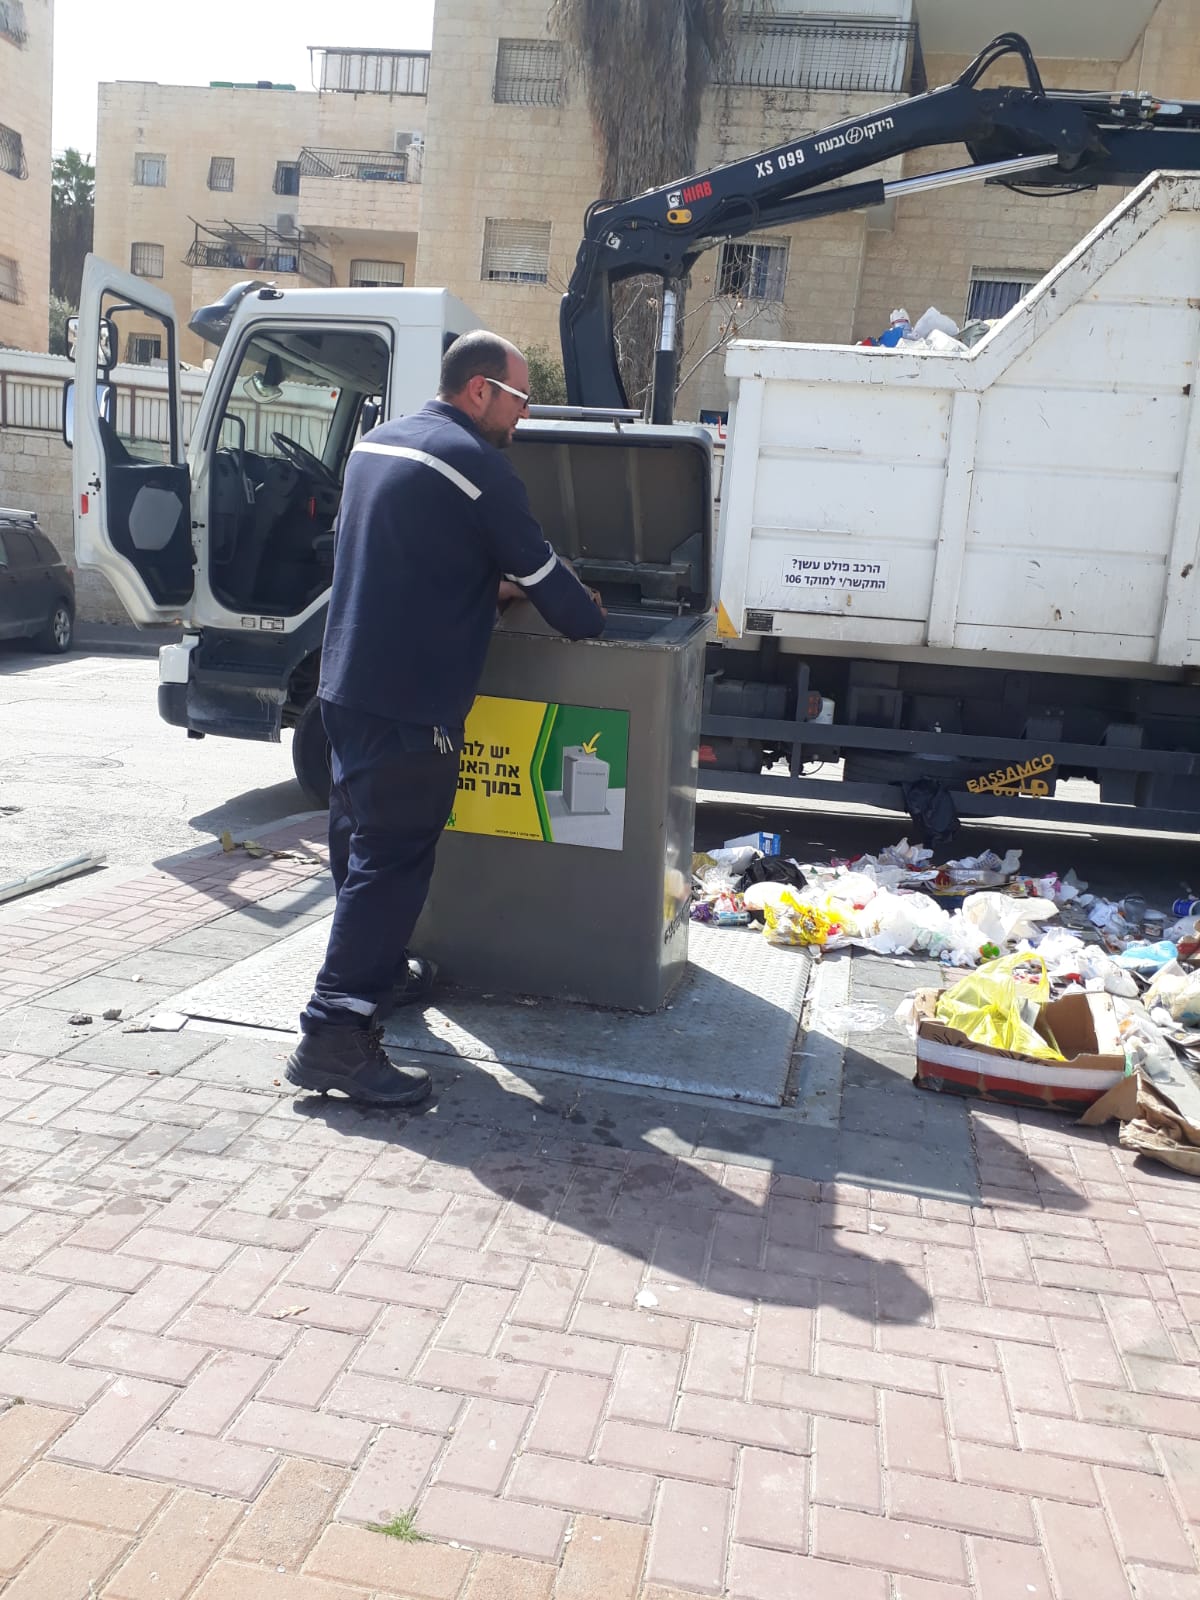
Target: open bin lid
x=628, y=504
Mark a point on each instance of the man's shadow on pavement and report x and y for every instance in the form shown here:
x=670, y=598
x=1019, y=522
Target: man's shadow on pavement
x=768, y=1215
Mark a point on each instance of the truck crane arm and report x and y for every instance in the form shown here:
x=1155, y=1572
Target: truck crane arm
x=1054, y=140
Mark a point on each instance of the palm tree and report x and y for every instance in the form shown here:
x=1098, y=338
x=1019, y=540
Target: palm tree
x=644, y=65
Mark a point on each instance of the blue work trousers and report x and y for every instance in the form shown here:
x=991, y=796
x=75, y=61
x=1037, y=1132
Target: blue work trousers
x=392, y=793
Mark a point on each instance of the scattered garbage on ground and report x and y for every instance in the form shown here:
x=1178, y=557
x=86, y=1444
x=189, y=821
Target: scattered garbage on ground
x=1053, y=995
x=262, y=852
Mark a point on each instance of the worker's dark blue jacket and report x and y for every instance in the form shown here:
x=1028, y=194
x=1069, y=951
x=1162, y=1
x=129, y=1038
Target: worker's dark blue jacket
x=432, y=517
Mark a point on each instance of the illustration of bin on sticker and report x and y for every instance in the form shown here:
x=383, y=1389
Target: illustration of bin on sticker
x=585, y=780
x=554, y=773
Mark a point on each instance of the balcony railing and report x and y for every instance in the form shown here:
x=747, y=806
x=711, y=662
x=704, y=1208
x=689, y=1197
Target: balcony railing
x=256, y=247
x=772, y=52
x=364, y=166
x=371, y=71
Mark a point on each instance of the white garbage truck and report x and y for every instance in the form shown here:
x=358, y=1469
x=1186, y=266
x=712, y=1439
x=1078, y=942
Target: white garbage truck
x=969, y=573
x=978, y=566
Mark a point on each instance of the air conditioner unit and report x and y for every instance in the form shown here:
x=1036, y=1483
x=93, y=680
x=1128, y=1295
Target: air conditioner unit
x=401, y=142
x=285, y=224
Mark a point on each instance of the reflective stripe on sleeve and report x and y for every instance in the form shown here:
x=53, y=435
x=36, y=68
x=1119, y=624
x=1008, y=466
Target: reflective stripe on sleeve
x=447, y=471
x=534, y=577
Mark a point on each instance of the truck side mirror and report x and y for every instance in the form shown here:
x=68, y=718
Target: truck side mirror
x=105, y=398
x=109, y=345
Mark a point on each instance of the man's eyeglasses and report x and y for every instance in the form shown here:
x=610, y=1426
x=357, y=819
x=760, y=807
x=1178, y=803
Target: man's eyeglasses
x=508, y=389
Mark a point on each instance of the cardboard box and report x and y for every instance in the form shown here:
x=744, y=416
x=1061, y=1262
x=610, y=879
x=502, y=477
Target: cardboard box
x=768, y=844
x=1084, y=1026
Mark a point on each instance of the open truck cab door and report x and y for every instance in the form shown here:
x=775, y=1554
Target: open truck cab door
x=236, y=545
x=132, y=497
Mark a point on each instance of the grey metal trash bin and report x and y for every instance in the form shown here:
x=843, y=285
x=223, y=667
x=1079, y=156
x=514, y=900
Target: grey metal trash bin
x=566, y=871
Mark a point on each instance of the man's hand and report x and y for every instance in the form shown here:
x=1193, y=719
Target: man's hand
x=600, y=606
x=509, y=592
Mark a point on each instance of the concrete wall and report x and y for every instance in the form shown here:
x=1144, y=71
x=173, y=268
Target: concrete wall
x=25, y=78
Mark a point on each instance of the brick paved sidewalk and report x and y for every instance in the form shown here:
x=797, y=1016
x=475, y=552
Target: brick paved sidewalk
x=243, y=1329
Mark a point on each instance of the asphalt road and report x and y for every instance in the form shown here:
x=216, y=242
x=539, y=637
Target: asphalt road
x=86, y=764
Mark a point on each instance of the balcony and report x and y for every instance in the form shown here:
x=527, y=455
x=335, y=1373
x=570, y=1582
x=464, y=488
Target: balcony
x=258, y=249
x=1074, y=30
x=369, y=191
x=859, y=56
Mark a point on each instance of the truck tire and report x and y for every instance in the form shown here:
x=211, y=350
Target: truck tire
x=310, y=755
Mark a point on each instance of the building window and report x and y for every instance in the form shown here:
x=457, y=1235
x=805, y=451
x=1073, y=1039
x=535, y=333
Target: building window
x=752, y=271
x=287, y=177
x=515, y=252
x=12, y=153
x=993, y=293
x=376, y=274
x=529, y=72
x=150, y=172
x=146, y=260
x=10, y=280
x=220, y=172
x=143, y=348
x=12, y=21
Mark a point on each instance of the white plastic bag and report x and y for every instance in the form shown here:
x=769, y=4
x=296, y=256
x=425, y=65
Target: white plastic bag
x=896, y=924
x=933, y=318
x=1101, y=972
x=1000, y=919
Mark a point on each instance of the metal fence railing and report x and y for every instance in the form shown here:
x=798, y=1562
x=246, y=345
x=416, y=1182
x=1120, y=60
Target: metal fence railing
x=372, y=71
x=31, y=396
x=255, y=247
x=774, y=52
x=366, y=166
x=31, y=399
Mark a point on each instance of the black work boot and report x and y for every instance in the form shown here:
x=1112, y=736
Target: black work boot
x=353, y=1060
x=414, y=986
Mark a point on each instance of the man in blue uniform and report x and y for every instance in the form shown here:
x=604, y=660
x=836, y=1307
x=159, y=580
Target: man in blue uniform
x=434, y=525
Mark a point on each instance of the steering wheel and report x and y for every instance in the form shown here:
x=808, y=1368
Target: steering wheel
x=304, y=460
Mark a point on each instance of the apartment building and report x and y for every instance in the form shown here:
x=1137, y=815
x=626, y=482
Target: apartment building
x=199, y=188
x=26, y=54
x=499, y=165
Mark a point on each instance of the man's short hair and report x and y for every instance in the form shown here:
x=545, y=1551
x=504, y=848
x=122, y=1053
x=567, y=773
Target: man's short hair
x=475, y=355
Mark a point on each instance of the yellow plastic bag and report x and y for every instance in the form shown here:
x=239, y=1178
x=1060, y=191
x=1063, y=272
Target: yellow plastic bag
x=791, y=921
x=991, y=1008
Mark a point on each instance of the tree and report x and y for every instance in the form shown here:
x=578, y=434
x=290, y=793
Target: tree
x=60, y=310
x=645, y=65
x=547, y=382
x=72, y=209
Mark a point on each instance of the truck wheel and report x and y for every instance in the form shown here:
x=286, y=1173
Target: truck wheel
x=310, y=754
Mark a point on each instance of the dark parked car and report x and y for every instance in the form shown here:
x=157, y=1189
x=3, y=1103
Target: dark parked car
x=37, y=588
